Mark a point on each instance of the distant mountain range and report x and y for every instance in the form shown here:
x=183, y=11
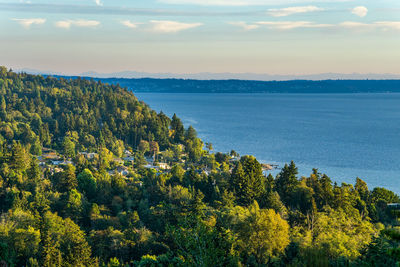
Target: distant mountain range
x=226, y=76
x=243, y=76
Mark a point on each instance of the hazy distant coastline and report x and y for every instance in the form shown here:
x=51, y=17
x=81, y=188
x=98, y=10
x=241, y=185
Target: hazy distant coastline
x=247, y=86
x=242, y=83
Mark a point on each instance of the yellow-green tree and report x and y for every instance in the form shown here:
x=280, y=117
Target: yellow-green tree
x=341, y=235
x=260, y=232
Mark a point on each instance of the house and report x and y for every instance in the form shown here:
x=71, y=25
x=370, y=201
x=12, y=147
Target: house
x=149, y=166
x=49, y=156
x=122, y=170
x=88, y=155
x=55, y=170
x=47, y=150
x=164, y=166
x=61, y=162
x=129, y=159
x=118, y=160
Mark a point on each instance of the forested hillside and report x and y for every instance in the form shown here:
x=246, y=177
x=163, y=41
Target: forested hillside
x=90, y=176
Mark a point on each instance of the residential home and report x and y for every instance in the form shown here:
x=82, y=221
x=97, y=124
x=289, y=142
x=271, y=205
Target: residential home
x=129, y=159
x=149, y=166
x=118, y=160
x=122, y=170
x=127, y=153
x=88, y=155
x=62, y=162
x=164, y=166
x=49, y=156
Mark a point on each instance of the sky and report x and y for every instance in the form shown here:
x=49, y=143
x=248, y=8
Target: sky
x=285, y=37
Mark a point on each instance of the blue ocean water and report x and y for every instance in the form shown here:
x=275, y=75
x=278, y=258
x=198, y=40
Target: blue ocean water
x=343, y=135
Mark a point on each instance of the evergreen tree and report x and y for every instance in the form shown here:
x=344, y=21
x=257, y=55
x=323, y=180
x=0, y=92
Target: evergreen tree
x=68, y=179
x=286, y=182
x=68, y=147
x=178, y=129
x=248, y=181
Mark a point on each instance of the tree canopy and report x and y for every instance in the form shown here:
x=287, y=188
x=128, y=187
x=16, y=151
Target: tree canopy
x=90, y=176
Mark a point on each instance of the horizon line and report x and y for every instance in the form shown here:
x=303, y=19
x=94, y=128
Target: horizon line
x=214, y=75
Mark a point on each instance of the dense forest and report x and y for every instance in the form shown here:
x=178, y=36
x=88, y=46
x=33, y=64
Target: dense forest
x=246, y=86
x=91, y=176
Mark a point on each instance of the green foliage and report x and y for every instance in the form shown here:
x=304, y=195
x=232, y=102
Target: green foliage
x=382, y=251
x=286, y=182
x=68, y=147
x=261, y=233
x=99, y=210
x=339, y=234
x=199, y=245
x=144, y=146
x=68, y=179
x=248, y=181
x=177, y=129
x=87, y=183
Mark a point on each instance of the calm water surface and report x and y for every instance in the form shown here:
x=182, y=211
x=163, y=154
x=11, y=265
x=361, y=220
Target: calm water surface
x=343, y=135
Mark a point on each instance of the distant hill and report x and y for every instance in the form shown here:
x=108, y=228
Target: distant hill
x=246, y=86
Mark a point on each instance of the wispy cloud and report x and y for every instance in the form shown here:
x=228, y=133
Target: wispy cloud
x=283, y=12
x=129, y=24
x=289, y=25
x=383, y=25
x=244, y=25
x=98, y=2
x=360, y=11
x=167, y=26
x=66, y=24
x=240, y=2
x=123, y=11
x=27, y=23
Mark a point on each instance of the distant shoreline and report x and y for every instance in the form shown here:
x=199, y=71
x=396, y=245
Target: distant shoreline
x=153, y=85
